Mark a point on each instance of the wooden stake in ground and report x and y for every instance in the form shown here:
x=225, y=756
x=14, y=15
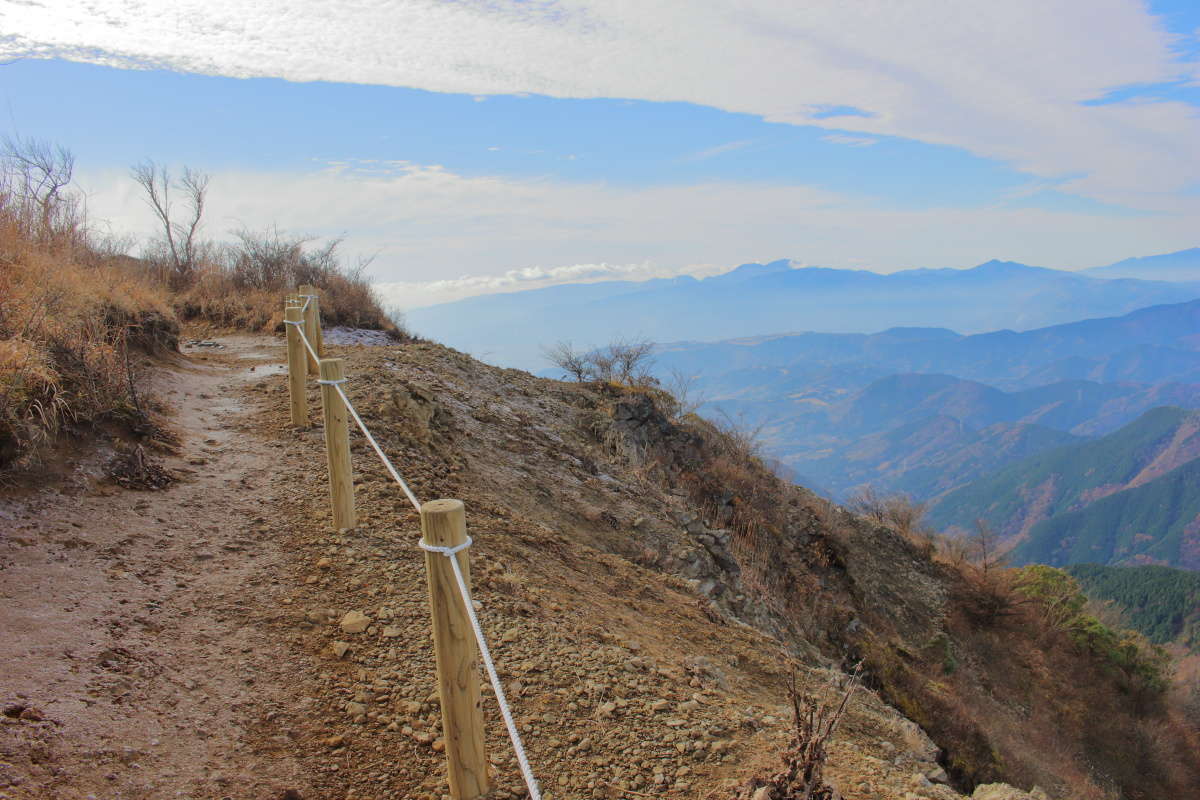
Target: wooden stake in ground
x=297, y=368
x=337, y=446
x=312, y=323
x=444, y=524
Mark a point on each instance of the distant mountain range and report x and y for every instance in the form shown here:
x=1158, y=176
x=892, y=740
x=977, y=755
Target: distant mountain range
x=1132, y=496
x=511, y=329
x=1144, y=346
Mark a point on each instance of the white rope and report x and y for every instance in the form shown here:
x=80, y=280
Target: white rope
x=412, y=498
x=514, y=735
x=300, y=329
x=449, y=552
x=446, y=551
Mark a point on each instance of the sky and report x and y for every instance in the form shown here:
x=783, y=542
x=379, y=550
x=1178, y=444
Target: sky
x=484, y=145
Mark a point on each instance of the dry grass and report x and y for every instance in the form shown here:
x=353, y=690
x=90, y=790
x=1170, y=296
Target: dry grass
x=70, y=312
x=72, y=305
x=242, y=285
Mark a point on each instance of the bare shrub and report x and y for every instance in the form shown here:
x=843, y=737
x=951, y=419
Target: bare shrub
x=990, y=590
x=682, y=388
x=242, y=285
x=566, y=357
x=626, y=362
x=815, y=721
x=898, y=512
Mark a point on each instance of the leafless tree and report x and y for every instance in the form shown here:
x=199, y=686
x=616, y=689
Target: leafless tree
x=984, y=548
x=38, y=172
x=631, y=361
x=682, y=386
x=180, y=235
x=815, y=721
x=571, y=361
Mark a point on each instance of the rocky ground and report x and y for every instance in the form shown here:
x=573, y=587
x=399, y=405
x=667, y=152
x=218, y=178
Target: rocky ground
x=217, y=639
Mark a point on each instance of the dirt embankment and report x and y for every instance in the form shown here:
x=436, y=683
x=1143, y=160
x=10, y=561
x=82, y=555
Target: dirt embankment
x=187, y=642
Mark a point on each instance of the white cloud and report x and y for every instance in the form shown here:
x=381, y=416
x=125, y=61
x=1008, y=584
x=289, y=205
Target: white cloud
x=446, y=235
x=1003, y=80
x=413, y=294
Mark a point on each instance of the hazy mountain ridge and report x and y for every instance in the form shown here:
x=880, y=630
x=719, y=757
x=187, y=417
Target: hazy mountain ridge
x=1181, y=266
x=511, y=329
x=1147, y=345
x=927, y=458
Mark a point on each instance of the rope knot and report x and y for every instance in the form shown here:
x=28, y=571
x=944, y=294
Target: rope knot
x=446, y=551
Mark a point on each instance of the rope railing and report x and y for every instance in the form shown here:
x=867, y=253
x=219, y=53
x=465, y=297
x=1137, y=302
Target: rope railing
x=477, y=783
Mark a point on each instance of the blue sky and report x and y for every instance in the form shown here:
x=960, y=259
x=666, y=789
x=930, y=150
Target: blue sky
x=498, y=145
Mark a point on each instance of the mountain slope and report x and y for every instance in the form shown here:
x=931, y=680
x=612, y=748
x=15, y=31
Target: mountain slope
x=926, y=458
x=1154, y=523
x=925, y=434
x=1016, y=498
x=512, y=328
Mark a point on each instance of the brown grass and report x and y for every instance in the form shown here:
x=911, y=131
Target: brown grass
x=69, y=312
x=72, y=305
x=242, y=285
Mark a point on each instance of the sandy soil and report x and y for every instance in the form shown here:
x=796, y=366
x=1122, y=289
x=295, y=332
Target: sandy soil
x=134, y=662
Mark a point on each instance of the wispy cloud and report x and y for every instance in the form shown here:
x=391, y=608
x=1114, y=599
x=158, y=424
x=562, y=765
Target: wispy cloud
x=851, y=141
x=1006, y=81
x=710, y=152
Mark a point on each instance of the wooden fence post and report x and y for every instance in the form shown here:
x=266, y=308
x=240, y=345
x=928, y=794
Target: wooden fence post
x=312, y=323
x=337, y=446
x=297, y=368
x=444, y=524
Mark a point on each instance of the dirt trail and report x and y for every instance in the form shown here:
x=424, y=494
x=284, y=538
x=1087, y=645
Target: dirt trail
x=135, y=657
x=189, y=642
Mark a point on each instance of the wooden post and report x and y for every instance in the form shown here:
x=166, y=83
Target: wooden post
x=297, y=368
x=444, y=524
x=337, y=446
x=312, y=323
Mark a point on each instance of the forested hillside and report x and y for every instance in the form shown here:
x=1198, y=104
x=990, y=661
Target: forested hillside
x=1162, y=603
